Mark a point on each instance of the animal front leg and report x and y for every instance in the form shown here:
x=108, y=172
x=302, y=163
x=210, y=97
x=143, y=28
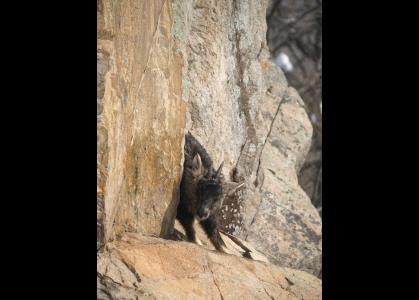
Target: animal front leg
x=211, y=229
x=197, y=240
x=187, y=220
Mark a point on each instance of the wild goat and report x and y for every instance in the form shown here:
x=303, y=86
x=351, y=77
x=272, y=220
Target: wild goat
x=202, y=190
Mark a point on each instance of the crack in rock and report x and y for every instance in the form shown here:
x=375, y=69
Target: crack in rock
x=213, y=279
x=269, y=295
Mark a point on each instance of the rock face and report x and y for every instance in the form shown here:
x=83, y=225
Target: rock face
x=138, y=267
x=239, y=106
x=168, y=66
x=140, y=118
x=286, y=225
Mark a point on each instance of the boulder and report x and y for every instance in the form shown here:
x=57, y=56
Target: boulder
x=138, y=267
x=285, y=225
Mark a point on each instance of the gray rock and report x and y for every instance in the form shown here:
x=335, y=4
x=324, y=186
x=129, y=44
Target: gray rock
x=241, y=109
x=166, y=67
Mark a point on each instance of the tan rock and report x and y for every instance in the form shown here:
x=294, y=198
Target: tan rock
x=139, y=267
x=141, y=118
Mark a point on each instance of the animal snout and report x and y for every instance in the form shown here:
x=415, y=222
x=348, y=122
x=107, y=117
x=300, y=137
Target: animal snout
x=203, y=214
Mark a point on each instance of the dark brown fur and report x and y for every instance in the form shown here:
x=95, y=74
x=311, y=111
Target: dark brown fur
x=201, y=193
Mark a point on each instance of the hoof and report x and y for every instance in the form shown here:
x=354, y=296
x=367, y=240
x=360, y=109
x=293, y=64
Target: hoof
x=198, y=242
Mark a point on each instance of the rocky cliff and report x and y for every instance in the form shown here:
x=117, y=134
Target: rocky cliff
x=169, y=66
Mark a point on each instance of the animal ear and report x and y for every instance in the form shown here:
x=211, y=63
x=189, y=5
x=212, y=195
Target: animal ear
x=230, y=187
x=197, y=167
x=218, y=173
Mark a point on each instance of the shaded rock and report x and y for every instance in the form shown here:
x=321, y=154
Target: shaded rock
x=310, y=177
x=139, y=267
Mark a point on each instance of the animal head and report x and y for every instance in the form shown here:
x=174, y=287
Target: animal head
x=211, y=188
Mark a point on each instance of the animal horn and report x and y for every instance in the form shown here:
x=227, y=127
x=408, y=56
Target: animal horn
x=197, y=165
x=234, y=187
x=217, y=174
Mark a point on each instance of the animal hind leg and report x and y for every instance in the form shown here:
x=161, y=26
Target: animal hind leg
x=211, y=229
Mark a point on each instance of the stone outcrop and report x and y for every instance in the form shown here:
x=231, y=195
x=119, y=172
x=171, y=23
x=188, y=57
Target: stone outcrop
x=285, y=226
x=136, y=267
x=141, y=118
x=240, y=107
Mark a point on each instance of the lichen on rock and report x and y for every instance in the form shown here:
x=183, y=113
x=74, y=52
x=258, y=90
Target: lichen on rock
x=240, y=107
